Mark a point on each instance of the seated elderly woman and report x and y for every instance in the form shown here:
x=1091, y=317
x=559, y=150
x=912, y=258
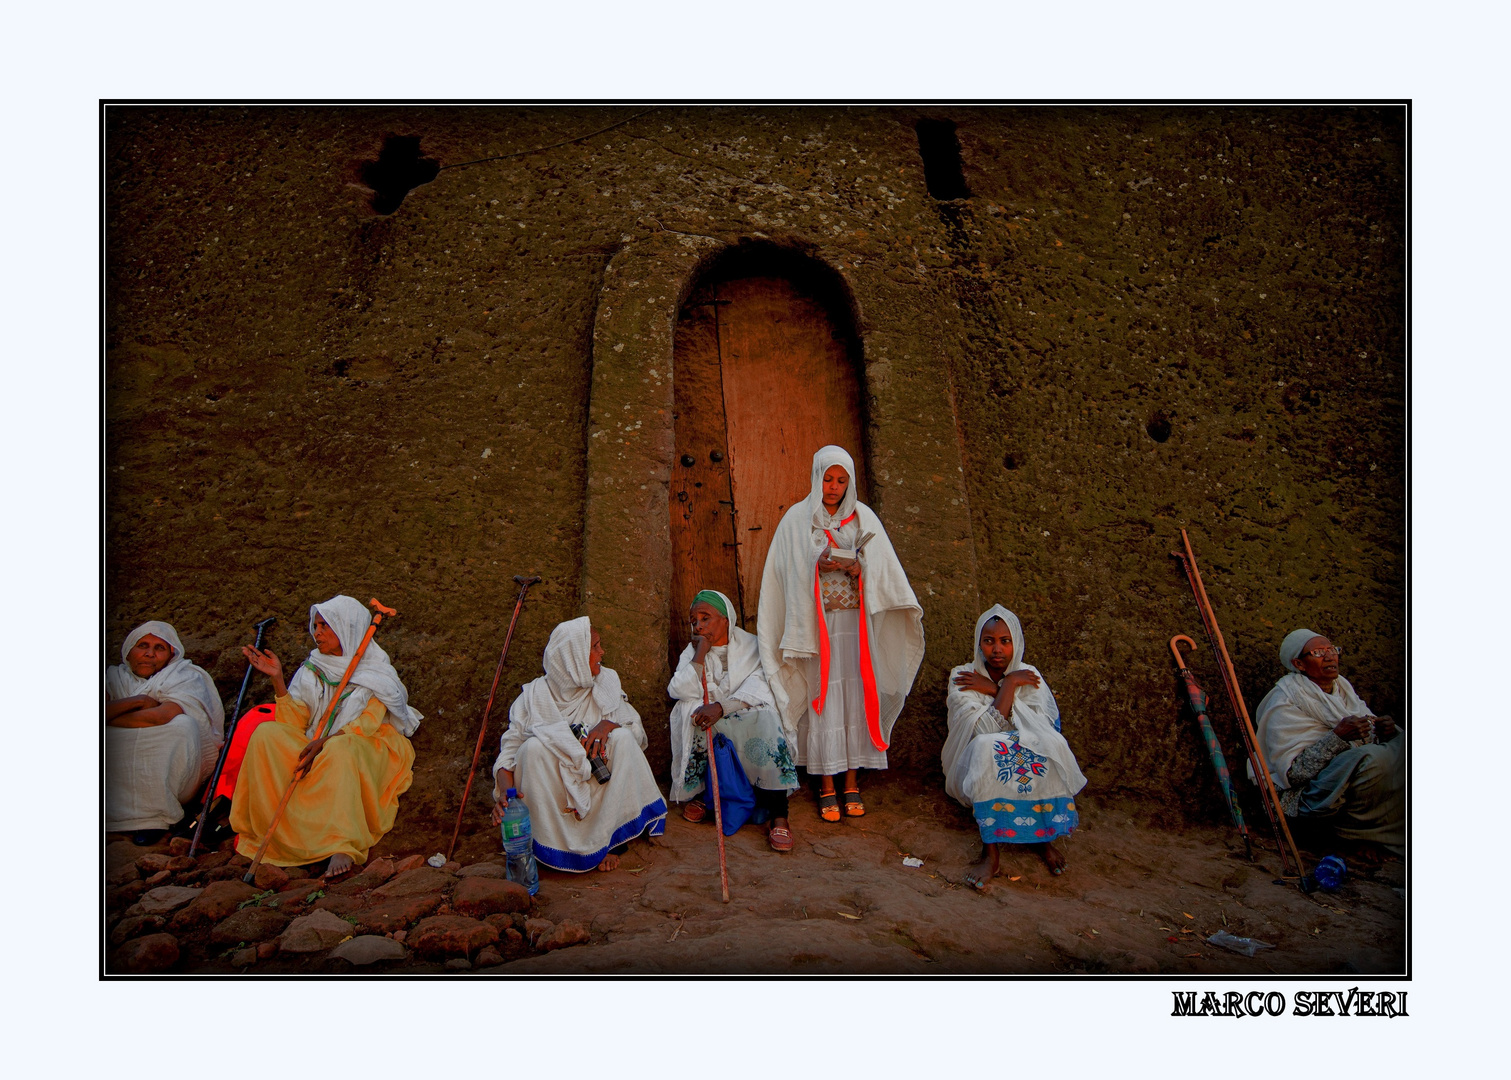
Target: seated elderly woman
x=576, y=822
x=1331, y=758
x=721, y=689
x=164, y=726
x=1004, y=756
x=353, y=775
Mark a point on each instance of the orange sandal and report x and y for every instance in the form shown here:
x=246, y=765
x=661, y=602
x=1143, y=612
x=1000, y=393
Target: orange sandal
x=853, y=806
x=828, y=806
x=694, y=811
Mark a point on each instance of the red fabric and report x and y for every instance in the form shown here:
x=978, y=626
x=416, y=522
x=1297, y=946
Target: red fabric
x=867, y=673
x=228, y=773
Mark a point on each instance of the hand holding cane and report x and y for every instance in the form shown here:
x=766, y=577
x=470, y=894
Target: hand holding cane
x=524, y=584
x=320, y=733
x=225, y=747
x=713, y=776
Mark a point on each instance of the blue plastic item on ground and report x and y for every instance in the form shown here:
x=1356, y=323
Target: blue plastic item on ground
x=518, y=845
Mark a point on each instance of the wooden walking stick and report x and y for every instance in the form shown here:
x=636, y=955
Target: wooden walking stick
x=1267, y=795
x=713, y=775
x=330, y=714
x=225, y=747
x=524, y=584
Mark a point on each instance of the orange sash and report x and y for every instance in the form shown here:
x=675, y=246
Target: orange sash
x=867, y=673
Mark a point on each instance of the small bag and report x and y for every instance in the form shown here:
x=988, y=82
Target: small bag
x=736, y=796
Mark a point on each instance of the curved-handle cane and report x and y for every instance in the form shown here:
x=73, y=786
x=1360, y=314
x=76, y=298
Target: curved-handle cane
x=524, y=585
x=713, y=776
x=330, y=714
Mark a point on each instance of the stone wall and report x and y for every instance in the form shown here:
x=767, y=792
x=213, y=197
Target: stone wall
x=1125, y=321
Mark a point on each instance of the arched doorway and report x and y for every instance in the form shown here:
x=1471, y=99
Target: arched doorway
x=764, y=369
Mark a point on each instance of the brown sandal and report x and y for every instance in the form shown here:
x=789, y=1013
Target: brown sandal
x=779, y=838
x=694, y=811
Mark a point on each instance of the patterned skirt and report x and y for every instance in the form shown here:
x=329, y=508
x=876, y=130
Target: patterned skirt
x=1017, y=796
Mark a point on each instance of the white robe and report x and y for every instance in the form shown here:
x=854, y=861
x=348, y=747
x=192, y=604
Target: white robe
x=985, y=766
x=737, y=681
x=1295, y=714
x=375, y=677
x=574, y=820
x=151, y=772
x=790, y=627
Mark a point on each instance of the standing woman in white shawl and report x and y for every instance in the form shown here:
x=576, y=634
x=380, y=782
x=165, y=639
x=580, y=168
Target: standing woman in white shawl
x=354, y=775
x=1329, y=756
x=841, y=639
x=164, y=725
x=576, y=823
x=1004, y=757
x=726, y=661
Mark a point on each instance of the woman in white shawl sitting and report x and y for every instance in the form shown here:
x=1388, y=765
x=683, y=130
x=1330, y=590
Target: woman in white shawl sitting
x=353, y=775
x=164, y=725
x=1329, y=756
x=841, y=632
x=722, y=667
x=1004, y=757
x=577, y=823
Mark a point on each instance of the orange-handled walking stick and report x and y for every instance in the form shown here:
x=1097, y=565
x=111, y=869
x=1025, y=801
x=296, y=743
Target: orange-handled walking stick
x=713, y=776
x=320, y=731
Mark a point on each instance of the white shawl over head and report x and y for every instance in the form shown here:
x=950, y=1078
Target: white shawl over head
x=1291, y=647
x=375, y=677
x=1296, y=712
x=789, y=622
x=741, y=659
x=568, y=693
x=186, y=685
x=1033, y=714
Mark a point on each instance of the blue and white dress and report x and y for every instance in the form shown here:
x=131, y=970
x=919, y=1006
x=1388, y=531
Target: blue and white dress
x=1016, y=773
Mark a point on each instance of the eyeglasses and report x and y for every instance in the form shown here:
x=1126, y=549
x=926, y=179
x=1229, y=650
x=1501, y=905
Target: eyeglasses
x=1324, y=654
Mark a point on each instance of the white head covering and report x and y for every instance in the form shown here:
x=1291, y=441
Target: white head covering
x=186, y=685
x=1291, y=647
x=375, y=677
x=997, y=611
x=1034, y=713
x=828, y=456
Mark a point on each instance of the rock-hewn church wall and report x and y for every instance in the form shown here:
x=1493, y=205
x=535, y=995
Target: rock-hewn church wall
x=1124, y=321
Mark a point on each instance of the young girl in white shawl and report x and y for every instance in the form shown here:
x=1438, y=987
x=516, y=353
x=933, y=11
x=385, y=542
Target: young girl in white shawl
x=724, y=662
x=1004, y=757
x=1330, y=756
x=164, y=727
x=349, y=797
x=575, y=822
x=841, y=638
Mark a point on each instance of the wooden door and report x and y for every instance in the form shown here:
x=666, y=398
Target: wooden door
x=762, y=379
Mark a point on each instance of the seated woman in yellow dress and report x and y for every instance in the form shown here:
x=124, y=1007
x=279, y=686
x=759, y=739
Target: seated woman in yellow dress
x=349, y=796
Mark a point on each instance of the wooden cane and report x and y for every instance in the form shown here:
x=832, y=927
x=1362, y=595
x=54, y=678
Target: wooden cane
x=524, y=585
x=320, y=731
x=1268, y=795
x=713, y=775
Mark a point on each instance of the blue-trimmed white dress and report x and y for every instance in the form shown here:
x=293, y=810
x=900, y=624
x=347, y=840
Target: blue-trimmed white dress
x=574, y=820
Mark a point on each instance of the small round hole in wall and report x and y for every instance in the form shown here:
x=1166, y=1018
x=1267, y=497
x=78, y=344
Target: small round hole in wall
x=1158, y=426
x=1010, y=461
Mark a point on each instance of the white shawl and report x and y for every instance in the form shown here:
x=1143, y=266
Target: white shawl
x=734, y=673
x=790, y=623
x=375, y=677
x=1033, y=715
x=186, y=685
x=568, y=693
x=1295, y=714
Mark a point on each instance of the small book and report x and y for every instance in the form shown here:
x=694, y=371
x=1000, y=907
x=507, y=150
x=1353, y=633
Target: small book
x=847, y=554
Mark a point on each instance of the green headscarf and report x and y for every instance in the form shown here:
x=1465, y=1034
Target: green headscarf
x=713, y=600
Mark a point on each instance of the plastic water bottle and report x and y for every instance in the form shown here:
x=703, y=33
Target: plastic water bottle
x=518, y=846
x=1330, y=872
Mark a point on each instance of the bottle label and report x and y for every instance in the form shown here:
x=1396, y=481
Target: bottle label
x=514, y=830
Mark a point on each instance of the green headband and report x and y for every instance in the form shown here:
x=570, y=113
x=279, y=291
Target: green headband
x=713, y=600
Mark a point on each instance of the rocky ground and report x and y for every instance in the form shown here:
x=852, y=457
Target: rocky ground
x=1137, y=898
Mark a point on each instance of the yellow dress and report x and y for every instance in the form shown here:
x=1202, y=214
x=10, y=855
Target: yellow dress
x=346, y=803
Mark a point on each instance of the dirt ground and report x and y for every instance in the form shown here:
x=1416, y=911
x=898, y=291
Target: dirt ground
x=1135, y=899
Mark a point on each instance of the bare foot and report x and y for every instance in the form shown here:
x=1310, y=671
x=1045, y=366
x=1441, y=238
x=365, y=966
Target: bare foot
x=981, y=873
x=339, y=864
x=610, y=862
x=1052, y=857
